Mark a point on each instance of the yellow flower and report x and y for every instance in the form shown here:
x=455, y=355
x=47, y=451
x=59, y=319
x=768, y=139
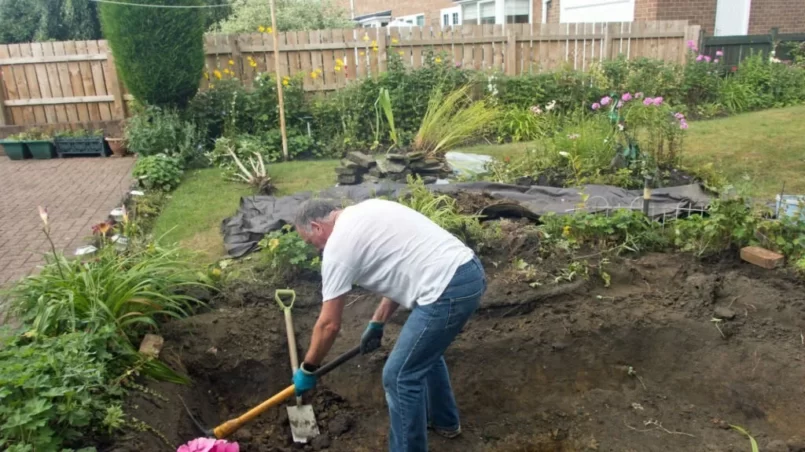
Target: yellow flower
x=212, y=86
x=216, y=272
x=374, y=49
x=338, y=68
x=566, y=231
x=437, y=59
x=253, y=63
x=269, y=30
x=314, y=74
x=318, y=70
x=365, y=37
x=395, y=41
x=217, y=74
x=207, y=75
x=231, y=62
x=402, y=53
x=285, y=82
x=273, y=244
x=362, y=53
x=339, y=62
x=226, y=71
x=261, y=29
x=374, y=43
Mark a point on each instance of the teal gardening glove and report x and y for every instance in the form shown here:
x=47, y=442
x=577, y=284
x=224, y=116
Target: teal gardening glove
x=371, y=337
x=304, y=379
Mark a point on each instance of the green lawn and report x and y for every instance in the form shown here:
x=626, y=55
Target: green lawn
x=763, y=149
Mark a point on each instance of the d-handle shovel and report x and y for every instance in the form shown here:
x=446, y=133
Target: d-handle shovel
x=232, y=425
x=302, y=418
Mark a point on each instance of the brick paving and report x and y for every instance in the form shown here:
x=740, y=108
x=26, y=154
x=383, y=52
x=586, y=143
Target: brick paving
x=78, y=192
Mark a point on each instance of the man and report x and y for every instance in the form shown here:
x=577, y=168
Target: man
x=402, y=255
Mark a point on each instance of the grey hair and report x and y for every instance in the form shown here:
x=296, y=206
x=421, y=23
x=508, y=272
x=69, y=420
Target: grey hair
x=314, y=210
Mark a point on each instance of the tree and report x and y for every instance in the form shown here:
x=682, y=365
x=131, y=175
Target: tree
x=248, y=15
x=48, y=20
x=159, y=52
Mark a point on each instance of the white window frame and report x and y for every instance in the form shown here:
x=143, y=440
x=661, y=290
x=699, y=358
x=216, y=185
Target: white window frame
x=410, y=19
x=500, y=15
x=450, y=13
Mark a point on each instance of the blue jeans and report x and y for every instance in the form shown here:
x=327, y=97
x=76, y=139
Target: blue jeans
x=415, y=377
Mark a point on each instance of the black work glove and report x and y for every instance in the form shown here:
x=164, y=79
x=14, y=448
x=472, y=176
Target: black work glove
x=371, y=337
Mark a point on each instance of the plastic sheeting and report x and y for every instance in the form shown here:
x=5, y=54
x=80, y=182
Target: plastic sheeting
x=259, y=215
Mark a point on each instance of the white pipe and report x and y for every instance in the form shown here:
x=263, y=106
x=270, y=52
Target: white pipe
x=352, y=8
x=545, y=11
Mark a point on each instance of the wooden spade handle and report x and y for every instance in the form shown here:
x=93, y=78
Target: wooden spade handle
x=230, y=426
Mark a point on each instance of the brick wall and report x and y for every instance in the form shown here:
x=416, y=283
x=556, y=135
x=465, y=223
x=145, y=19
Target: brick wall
x=646, y=10
x=553, y=12
x=696, y=12
x=788, y=15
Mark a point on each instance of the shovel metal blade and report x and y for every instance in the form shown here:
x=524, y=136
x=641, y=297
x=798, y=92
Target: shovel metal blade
x=303, y=423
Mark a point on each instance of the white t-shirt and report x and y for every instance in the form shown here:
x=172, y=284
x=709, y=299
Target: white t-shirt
x=391, y=250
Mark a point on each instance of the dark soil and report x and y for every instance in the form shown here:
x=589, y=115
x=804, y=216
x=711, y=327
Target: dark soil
x=638, y=366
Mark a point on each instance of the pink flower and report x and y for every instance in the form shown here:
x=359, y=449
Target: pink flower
x=626, y=97
x=596, y=106
x=620, y=103
x=683, y=125
x=700, y=58
x=209, y=445
x=648, y=101
x=707, y=58
x=715, y=61
x=719, y=53
x=692, y=46
x=679, y=116
x=606, y=100
x=638, y=95
x=658, y=101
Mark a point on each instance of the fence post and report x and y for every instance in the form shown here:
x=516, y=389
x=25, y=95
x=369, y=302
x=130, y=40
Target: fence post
x=117, y=88
x=511, y=52
x=234, y=49
x=2, y=100
x=382, y=58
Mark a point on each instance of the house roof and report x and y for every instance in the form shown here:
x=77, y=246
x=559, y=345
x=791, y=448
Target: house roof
x=378, y=14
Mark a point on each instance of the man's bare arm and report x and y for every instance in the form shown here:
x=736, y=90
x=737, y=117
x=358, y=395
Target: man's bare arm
x=384, y=310
x=325, y=331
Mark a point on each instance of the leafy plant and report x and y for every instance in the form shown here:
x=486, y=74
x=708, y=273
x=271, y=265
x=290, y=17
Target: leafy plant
x=442, y=210
x=523, y=124
x=33, y=134
x=734, y=95
x=384, y=103
x=249, y=16
x=158, y=172
x=745, y=433
x=452, y=120
x=54, y=391
x=80, y=133
x=159, y=55
x=130, y=292
x=287, y=254
x=162, y=131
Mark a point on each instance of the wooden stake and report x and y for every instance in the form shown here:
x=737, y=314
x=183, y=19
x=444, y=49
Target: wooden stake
x=279, y=82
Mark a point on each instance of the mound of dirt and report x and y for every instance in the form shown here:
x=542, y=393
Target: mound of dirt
x=638, y=366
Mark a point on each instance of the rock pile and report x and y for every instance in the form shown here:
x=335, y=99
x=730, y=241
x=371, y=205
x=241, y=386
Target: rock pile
x=358, y=167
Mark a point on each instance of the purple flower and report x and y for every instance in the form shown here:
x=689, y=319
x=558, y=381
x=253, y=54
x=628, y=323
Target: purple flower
x=648, y=101
x=638, y=95
x=626, y=97
x=606, y=100
x=692, y=46
x=620, y=103
x=596, y=106
x=719, y=53
x=679, y=116
x=700, y=58
x=707, y=58
x=658, y=101
x=683, y=125
x=715, y=61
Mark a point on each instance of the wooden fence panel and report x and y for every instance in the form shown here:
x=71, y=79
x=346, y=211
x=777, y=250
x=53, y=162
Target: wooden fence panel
x=77, y=82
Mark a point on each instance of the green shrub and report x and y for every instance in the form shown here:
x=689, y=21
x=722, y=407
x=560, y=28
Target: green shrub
x=286, y=254
x=620, y=230
x=162, y=131
x=159, y=53
x=158, y=172
x=249, y=15
x=129, y=291
x=524, y=124
x=442, y=210
x=55, y=391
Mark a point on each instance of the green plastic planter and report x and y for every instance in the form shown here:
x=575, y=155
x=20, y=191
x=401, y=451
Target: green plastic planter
x=16, y=150
x=41, y=149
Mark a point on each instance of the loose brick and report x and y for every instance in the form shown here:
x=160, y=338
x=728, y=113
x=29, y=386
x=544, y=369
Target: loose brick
x=762, y=257
x=151, y=345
